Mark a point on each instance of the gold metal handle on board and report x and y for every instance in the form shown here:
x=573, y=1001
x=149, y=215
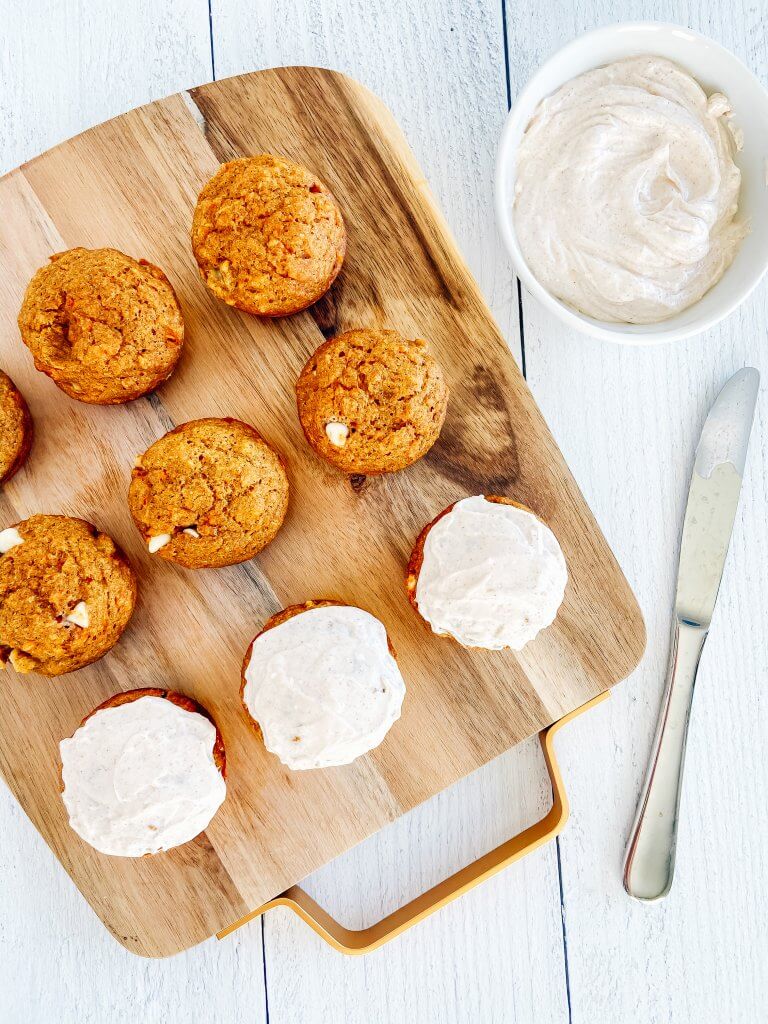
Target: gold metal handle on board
x=347, y=940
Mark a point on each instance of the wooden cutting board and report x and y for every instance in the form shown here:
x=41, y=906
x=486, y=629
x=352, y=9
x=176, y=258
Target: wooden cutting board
x=132, y=183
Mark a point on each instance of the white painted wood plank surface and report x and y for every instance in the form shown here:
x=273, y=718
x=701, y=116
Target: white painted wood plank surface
x=73, y=63
x=628, y=421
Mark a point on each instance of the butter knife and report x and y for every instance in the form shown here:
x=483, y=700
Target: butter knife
x=712, y=502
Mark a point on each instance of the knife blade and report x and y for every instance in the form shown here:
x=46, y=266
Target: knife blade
x=713, y=499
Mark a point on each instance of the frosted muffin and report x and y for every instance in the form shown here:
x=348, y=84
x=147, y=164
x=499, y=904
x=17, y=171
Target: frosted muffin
x=143, y=773
x=267, y=235
x=488, y=573
x=15, y=428
x=210, y=493
x=321, y=684
x=66, y=594
x=371, y=401
x=104, y=327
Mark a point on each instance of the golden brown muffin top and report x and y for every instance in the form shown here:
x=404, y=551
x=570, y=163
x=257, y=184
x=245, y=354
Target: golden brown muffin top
x=267, y=235
x=105, y=327
x=371, y=401
x=66, y=594
x=216, y=479
x=15, y=428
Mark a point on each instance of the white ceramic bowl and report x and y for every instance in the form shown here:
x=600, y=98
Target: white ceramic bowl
x=716, y=70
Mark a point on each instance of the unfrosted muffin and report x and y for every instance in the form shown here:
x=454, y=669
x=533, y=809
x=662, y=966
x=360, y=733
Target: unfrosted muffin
x=143, y=773
x=371, y=401
x=104, y=327
x=321, y=684
x=210, y=493
x=488, y=573
x=66, y=594
x=267, y=235
x=15, y=428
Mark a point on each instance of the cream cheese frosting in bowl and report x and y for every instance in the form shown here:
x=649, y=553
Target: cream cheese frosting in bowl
x=644, y=217
x=490, y=575
x=140, y=777
x=626, y=191
x=323, y=686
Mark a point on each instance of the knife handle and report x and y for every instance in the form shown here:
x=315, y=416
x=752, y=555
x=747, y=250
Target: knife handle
x=650, y=860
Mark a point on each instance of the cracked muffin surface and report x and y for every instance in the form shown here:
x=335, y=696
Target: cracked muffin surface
x=104, y=327
x=15, y=428
x=371, y=401
x=210, y=493
x=267, y=235
x=66, y=594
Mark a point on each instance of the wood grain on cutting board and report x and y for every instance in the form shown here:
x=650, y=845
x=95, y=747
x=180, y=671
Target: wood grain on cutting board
x=132, y=184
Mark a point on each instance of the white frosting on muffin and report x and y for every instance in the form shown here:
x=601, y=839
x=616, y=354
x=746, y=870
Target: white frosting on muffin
x=140, y=777
x=493, y=575
x=323, y=686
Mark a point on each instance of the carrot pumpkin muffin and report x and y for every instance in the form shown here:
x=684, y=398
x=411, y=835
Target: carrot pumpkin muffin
x=488, y=573
x=210, y=493
x=267, y=235
x=66, y=594
x=104, y=327
x=371, y=401
x=322, y=685
x=15, y=428
x=143, y=773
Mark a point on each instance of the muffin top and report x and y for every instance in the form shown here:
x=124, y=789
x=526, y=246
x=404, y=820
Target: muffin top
x=15, y=428
x=105, y=327
x=488, y=573
x=267, y=235
x=322, y=684
x=371, y=401
x=210, y=493
x=143, y=773
x=66, y=594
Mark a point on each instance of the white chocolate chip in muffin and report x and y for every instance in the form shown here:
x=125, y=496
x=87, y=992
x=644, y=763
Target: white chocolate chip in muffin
x=221, y=275
x=79, y=615
x=22, y=661
x=191, y=531
x=155, y=543
x=337, y=433
x=9, y=538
